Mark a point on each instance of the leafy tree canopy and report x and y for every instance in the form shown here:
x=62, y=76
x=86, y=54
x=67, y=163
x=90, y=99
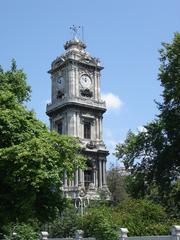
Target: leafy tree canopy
x=116, y=183
x=32, y=159
x=153, y=156
x=14, y=82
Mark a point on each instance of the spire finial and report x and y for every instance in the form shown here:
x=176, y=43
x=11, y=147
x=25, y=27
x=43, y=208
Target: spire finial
x=75, y=30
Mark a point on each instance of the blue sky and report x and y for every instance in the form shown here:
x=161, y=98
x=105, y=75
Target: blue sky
x=124, y=34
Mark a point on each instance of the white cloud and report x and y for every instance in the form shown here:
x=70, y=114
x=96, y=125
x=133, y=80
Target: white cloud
x=48, y=101
x=110, y=140
x=111, y=143
x=142, y=129
x=112, y=101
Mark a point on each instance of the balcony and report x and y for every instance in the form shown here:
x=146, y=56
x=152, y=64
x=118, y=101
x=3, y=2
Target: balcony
x=78, y=101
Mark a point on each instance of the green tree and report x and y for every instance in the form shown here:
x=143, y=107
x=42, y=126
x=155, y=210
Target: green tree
x=153, y=156
x=66, y=224
x=22, y=231
x=32, y=159
x=142, y=217
x=116, y=183
x=98, y=223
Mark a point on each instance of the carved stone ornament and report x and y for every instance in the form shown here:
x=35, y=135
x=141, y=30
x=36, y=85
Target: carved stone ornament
x=86, y=93
x=82, y=192
x=91, y=145
x=91, y=187
x=89, y=72
x=87, y=118
x=60, y=94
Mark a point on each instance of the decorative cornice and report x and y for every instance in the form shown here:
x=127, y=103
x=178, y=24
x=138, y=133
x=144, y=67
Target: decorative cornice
x=74, y=42
x=76, y=101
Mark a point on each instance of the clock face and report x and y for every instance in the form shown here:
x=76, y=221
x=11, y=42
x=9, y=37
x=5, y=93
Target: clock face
x=85, y=81
x=60, y=82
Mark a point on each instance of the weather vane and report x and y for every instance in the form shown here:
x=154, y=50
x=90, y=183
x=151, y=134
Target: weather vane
x=75, y=30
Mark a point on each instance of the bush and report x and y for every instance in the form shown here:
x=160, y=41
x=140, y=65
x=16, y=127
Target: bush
x=142, y=217
x=66, y=224
x=98, y=223
x=23, y=232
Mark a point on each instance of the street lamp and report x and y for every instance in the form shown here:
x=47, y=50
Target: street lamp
x=81, y=202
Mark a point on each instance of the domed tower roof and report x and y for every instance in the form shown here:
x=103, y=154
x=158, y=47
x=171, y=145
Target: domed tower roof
x=74, y=43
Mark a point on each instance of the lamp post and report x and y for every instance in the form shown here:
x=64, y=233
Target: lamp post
x=81, y=201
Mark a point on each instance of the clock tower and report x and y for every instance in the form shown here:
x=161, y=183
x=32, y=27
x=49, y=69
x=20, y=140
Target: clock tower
x=76, y=109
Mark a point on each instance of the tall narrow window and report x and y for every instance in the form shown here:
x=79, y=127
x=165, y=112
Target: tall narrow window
x=88, y=178
x=59, y=127
x=87, y=130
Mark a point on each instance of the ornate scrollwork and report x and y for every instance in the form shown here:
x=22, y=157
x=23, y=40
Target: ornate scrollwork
x=60, y=94
x=86, y=93
x=91, y=145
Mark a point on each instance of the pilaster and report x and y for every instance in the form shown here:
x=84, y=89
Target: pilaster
x=100, y=173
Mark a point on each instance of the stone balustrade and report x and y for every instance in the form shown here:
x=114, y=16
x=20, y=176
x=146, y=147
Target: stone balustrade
x=123, y=235
x=175, y=235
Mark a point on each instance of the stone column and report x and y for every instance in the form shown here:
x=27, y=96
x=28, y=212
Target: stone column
x=44, y=235
x=104, y=171
x=51, y=123
x=14, y=235
x=81, y=177
x=95, y=85
x=74, y=127
x=77, y=124
x=123, y=233
x=65, y=179
x=76, y=178
x=70, y=122
x=80, y=127
x=71, y=81
x=98, y=85
x=79, y=235
x=96, y=174
x=97, y=128
x=65, y=123
x=82, y=174
x=100, y=128
x=72, y=181
x=94, y=177
x=100, y=173
x=175, y=232
x=76, y=81
x=93, y=131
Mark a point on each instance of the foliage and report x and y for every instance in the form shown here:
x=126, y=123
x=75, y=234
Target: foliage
x=14, y=81
x=32, y=159
x=116, y=184
x=141, y=217
x=66, y=224
x=153, y=156
x=98, y=223
x=23, y=232
x=169, y=77
x=103, y=220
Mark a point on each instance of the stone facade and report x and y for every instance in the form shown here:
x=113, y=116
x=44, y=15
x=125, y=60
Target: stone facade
x=76, y=109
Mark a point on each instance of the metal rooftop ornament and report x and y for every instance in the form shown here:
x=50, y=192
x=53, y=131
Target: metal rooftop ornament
x=75, y=30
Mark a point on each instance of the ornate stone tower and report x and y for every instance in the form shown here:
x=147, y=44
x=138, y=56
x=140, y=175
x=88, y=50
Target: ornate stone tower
x=76, y=109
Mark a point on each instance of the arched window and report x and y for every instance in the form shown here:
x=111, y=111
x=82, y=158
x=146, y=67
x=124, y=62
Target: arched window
x=59, y=127
x=87, y=130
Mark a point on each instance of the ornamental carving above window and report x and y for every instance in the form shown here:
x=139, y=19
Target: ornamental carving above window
x=86, y=93
x=91, y=145
x=60, y=94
